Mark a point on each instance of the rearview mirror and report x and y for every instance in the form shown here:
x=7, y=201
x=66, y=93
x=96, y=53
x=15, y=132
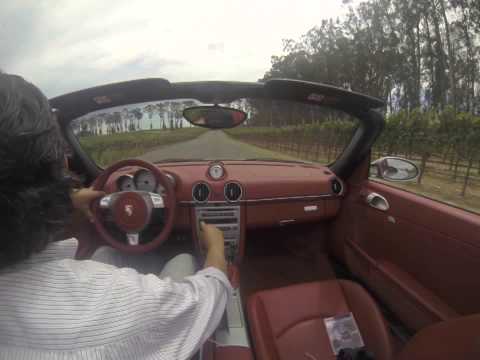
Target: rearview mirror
x=394, y=169
x=214, y=117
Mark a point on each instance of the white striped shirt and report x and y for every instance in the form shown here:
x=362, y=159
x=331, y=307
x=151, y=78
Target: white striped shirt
x=55, y=307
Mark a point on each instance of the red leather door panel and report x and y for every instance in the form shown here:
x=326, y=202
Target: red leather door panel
x=421, y=257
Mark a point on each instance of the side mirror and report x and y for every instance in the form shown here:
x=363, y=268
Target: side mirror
x=394, y=169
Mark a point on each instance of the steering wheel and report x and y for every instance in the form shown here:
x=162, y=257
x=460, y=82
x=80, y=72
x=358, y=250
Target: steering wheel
x=131, y=211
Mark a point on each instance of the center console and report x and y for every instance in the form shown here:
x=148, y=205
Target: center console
x=227, y=219
x=230, y=340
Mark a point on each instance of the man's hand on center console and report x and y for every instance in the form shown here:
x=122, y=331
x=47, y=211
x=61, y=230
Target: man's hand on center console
x=212, y=240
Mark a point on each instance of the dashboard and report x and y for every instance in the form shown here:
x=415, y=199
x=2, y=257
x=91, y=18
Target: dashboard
x=240, y=195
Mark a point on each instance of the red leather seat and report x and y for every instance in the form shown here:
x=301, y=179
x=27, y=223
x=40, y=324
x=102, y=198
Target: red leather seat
x=457, y=339
x=287, y=323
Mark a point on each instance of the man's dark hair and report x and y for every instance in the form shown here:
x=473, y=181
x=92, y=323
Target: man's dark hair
x=34, y=191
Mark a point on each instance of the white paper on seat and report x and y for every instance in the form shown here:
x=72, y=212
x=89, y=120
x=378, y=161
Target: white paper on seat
x=343, y=332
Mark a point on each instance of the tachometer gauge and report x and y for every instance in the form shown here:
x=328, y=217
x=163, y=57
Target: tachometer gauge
x=216, y=171
x=125, y=183
x=145, y=181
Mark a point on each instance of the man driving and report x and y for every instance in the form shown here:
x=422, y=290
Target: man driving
x=112, y=306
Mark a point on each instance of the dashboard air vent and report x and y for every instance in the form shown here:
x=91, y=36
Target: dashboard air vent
x=200, y=192
x=233, y=191
x=336, y=186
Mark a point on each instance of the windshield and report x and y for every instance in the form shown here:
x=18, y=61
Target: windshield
x=157, y=131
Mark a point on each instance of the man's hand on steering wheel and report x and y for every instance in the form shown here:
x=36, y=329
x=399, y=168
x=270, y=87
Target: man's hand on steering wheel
x=82, y=199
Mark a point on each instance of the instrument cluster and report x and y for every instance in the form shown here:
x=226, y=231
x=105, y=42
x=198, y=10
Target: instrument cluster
x=142, y=180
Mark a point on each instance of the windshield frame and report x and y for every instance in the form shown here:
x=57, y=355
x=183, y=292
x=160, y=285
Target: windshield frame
x=371, y=122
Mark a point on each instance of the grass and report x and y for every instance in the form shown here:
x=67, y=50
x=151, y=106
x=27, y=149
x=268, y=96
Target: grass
x=439, y=187
x=107, y=149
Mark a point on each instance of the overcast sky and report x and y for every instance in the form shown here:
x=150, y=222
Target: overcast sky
x=64, y=46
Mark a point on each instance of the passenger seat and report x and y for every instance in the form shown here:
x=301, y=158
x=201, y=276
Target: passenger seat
x=288, y=324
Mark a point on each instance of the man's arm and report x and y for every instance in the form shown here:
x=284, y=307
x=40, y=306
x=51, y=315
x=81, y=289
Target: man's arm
x=213, y=241
x=119, y=309
x=157, y=315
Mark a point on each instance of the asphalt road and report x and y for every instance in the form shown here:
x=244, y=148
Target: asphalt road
x=211, y=145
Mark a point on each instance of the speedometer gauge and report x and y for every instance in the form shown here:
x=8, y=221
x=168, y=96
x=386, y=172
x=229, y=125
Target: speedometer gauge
x=145, y=181
x=216, y=171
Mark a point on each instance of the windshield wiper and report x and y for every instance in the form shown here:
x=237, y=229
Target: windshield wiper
x=276, y=160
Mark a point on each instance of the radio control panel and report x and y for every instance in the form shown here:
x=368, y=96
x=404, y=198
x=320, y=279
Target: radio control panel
x=227, y=219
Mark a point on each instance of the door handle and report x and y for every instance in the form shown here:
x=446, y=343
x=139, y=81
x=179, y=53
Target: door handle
x=377, y=201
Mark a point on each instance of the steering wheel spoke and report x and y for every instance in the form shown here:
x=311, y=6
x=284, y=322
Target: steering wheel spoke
x=107, y=201
x=133, y=239
x=157, y=200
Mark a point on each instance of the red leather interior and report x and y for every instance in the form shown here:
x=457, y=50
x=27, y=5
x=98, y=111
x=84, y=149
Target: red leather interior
x=274, y=214
x=274, y=193
x=234, y=275
x=287, y=323
x=400, y=287
x=435, y=245
x=412, y=302
x=260, y=179
x=453, y=339
x=419, y=256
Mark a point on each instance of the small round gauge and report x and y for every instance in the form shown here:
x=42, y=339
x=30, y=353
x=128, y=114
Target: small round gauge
x=145, y=181
x=125, y=183
x=216, y=171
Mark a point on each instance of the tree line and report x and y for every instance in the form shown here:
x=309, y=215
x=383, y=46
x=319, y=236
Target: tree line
x=161, y=115
x=168, y=116
x=415, y=54
x=446, y=143
x=421, y=56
